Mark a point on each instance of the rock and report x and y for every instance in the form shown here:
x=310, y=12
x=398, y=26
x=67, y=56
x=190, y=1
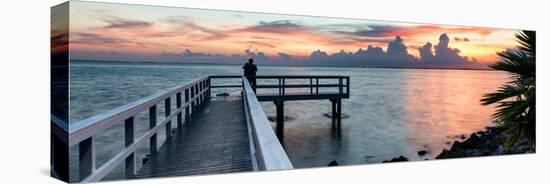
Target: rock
x=484, y=143
x=422, y=153
x=499, y=151
x=462, y=136
x=274, y=118
x=223, y=94
x=472, y=142
x=333, y=163
x=398, y=159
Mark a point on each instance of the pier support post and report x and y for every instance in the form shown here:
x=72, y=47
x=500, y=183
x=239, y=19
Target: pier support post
x=280, y=119
x=130, y=169
x=339, y=111
x=187, y=108
x=336, y=110
x=178, y=105
x=153, y=124
x=167, y=111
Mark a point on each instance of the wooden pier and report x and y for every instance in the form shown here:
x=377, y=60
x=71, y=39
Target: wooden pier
x=210, y=135
x=208, y=144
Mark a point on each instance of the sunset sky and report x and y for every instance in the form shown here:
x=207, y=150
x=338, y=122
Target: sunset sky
x=102, y=31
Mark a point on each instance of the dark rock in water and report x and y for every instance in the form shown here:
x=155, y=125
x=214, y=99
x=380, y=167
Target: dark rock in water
x=222, y=94
x=480, y=133
x=333, y=163
x=485, y=143
x=422, y=153
x=274, y=119
x=472, y=142
x=398, y=159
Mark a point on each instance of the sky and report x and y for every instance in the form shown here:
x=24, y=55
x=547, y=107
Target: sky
x=101, y=31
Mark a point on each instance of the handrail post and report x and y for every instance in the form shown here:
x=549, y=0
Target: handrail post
x=347, y=85
x=310, y=85
x=197, y=93
x=317, y=85
x=209, y=89
x=178, y=106
x=167, y=111
x=280, y=86
x=86, y=157
x=193, y=100
x=153, y=124
x=340, y=87
x=284, y=86
x=201, y=92
x=187, y=115
x=130, y=168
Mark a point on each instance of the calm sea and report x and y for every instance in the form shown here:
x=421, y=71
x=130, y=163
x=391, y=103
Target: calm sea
x=391, y=112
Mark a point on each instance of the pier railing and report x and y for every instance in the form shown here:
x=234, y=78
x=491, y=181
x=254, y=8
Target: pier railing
x=266, y=150
x=83, y=133
x=316, y=86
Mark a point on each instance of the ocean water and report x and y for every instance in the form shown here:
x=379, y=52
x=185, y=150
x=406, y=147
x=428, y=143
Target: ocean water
x=391, y=112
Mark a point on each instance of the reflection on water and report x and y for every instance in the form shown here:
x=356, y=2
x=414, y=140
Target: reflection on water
x=391, y=112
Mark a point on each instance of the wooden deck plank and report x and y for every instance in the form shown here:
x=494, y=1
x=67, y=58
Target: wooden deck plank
x=216, y=141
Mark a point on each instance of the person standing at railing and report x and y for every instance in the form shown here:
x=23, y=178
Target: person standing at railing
x=250, y=70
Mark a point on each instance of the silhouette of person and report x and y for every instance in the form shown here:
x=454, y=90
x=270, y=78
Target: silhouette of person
x=250, y=73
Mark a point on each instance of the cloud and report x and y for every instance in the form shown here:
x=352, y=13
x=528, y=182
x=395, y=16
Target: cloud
x=465, y=39
x=284, y=56
x=318, y=54
x=189, y=53
x=257, y=55
x=280, y=26
x=398, y=50
x=426, y=52
x=443, y=54
x=260, y=43
x=115, y=22
x=97, y=39
x=378, y=31
x=183, y=25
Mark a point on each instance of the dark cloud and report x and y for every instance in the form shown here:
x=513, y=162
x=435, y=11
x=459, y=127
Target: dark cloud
x=318, y=54
x=260, y=43
x=426, y=52
x=465, y=39
x=280, y=26
x=284, y=55
x=118, y=22
x=375, y=31
x=258, y=55
x=398, y=50
x=96, y=39
x=443, y=54
x=189, y=53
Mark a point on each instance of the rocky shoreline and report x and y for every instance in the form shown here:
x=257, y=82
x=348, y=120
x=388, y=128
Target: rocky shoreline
x=483, y=143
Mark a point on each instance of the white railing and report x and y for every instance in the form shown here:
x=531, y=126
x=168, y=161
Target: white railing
x=266, y=150
x=83, y=132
